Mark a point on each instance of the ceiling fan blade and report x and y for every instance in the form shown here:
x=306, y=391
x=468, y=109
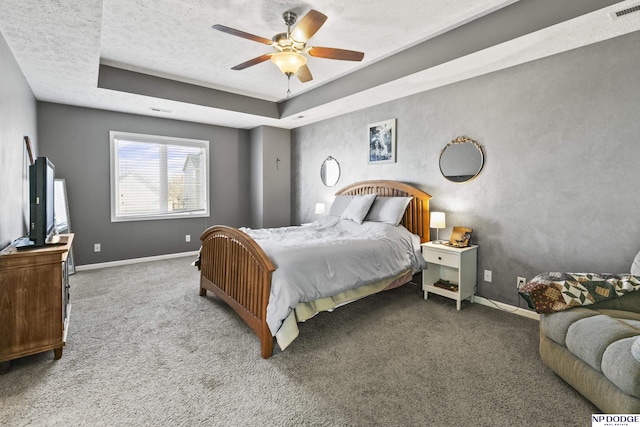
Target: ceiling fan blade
x=333, y=53
x=303, y=74
x=242, y=34
x=307, y=26
x=252, y=62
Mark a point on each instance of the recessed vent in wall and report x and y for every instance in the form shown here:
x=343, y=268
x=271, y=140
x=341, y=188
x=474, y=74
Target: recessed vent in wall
x=624, y=12
x=160, y=110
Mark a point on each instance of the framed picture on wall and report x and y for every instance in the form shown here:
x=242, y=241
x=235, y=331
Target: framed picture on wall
x=382, y=142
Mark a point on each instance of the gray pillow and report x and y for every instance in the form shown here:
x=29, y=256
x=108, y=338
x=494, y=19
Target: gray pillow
x=635, y=266
x=358, y=208
x=388, y=209
x=340, y=203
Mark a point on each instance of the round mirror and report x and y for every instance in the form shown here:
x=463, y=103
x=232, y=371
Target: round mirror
x=461, y=160
x=330, y=172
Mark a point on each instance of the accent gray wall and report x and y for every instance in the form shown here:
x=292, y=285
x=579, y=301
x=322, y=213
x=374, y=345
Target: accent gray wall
x=276, y=177
x=17, y=119
x=270, y=181
x=559, y=189
x=257, y=190
x=77, y=142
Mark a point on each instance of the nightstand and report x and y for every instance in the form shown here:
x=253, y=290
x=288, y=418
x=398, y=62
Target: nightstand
x=457, y=266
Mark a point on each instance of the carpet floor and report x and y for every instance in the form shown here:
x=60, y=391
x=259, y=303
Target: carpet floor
x=144, y=349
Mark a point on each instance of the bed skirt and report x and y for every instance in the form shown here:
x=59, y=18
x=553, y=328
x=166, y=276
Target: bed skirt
x=306, y=310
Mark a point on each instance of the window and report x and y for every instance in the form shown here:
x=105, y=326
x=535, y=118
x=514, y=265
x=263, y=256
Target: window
x=158, y=177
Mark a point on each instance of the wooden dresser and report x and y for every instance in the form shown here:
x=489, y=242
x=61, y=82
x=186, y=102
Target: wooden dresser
x=34, y=300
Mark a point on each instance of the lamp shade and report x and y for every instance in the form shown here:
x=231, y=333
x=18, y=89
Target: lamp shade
x=437, y=220
x=319, y=208
x=288, y=62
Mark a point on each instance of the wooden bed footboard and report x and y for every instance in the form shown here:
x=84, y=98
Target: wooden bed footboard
x=236, y=269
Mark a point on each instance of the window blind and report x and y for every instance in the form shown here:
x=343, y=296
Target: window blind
x=155, y=177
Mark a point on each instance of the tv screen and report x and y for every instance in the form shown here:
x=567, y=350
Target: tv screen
x=42, y=202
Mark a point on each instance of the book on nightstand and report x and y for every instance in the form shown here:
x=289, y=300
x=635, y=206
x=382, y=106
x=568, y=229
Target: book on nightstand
x=445, y=284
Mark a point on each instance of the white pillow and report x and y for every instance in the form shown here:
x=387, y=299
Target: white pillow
x=388, y=209
x=635, y=348
x=635, y=266
x=358, y=208
x=340, y=204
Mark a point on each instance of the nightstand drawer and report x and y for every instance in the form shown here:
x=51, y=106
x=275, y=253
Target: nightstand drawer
x=442, y=258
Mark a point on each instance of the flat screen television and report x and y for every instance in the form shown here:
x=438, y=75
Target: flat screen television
x=42, y=224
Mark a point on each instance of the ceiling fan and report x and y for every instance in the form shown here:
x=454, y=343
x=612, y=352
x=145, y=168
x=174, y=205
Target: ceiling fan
x=290, y=47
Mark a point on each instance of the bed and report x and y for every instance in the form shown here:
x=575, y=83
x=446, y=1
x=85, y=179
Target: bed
x=236, y=268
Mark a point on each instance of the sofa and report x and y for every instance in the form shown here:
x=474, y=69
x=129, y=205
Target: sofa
x=590, y=333
x=596, y=349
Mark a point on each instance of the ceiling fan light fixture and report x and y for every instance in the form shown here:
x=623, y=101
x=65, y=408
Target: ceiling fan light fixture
x=288, y=62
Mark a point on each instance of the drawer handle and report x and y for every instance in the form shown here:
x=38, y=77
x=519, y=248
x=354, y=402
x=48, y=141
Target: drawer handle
x=440, y=257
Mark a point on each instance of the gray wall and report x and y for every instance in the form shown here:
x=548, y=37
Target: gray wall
x=17, y=119
x=559, y=190
x=270, y=181
x=276, y=178
x=257, y=189
x=77, y=142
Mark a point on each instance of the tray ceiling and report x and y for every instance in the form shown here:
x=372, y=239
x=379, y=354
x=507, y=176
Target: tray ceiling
x=60, y=47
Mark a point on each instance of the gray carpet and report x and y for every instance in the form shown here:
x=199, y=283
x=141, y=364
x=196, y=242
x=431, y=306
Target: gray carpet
x=144, y=349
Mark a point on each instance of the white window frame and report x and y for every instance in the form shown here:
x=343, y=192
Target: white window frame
x=156, y=139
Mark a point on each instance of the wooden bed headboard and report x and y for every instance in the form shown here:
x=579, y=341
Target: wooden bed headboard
x=416, y=217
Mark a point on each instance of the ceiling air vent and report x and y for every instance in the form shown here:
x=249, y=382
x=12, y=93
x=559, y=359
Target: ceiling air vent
x=159, y=110
x=624, y=12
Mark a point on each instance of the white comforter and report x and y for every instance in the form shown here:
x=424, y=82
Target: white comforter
x=331, y=256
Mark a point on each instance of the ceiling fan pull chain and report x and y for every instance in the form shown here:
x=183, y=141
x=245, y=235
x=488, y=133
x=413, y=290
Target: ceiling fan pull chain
x=288, y=85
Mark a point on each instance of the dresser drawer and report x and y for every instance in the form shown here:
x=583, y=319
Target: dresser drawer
x=442, y=258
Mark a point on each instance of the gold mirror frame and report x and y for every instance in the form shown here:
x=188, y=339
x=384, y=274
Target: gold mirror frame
x=466, y=168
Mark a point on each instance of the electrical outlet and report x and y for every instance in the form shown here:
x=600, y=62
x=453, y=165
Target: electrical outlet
x=187, y=238
x=521, y=281
x=96, y=247
x=487, y=275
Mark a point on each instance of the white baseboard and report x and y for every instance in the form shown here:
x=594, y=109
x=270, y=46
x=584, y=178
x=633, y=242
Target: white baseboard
x=506, y=307
x=475, y=299
x=134, y=261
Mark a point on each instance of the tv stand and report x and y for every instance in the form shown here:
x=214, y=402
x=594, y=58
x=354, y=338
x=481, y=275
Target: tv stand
x=34, y=301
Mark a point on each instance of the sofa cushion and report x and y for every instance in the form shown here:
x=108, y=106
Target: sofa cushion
x=556, y=325
x=588, y=338
x=620, y=314
x=597, y=351
x=621, y=368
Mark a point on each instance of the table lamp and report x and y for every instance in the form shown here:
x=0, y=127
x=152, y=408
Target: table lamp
x=437, y=221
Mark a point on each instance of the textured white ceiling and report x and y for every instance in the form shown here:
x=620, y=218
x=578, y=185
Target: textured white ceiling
x=60, y=44
x=175, y=37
